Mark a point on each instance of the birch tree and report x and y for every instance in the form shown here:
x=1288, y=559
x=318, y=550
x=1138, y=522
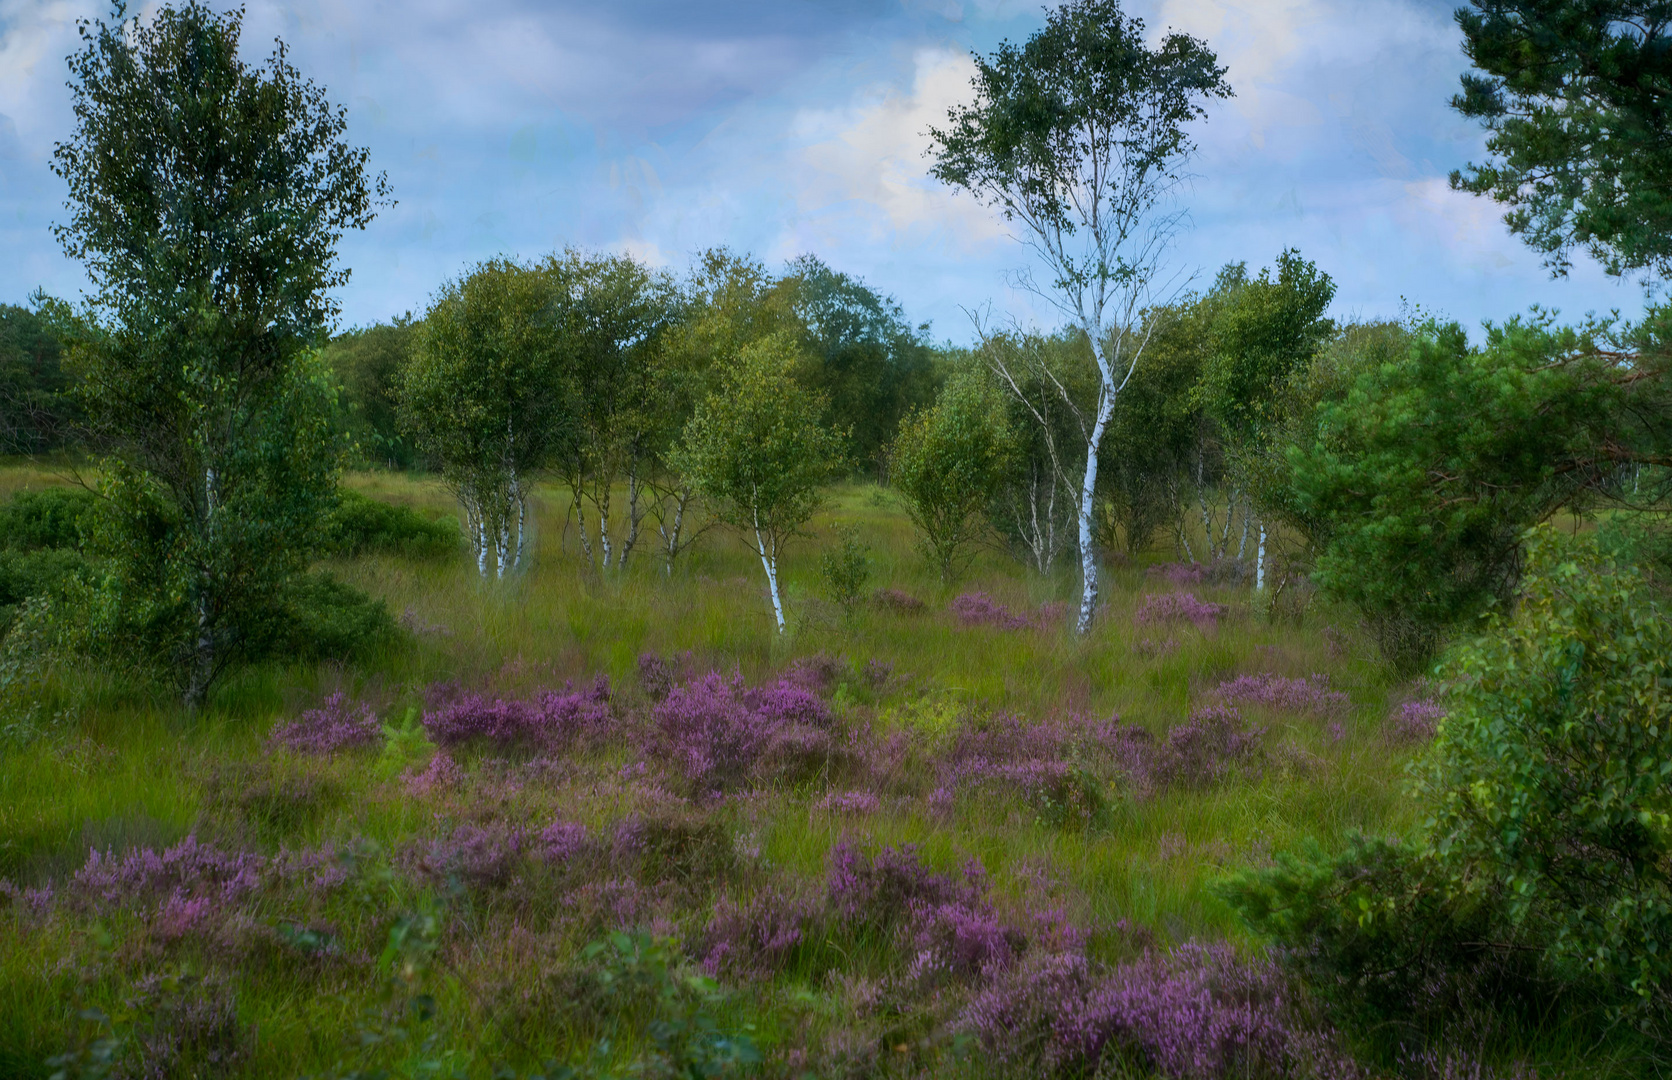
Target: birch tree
x=487, y=395
x=207, y=197
x=758, y=452
x=1079, y=138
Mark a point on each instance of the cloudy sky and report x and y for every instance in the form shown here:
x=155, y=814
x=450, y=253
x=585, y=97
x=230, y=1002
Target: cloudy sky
x=663, y=127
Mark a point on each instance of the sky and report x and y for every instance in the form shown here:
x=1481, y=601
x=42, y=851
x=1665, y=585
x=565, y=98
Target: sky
x=661, y=128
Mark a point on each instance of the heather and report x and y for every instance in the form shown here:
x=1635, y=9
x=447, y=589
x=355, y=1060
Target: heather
x=618, y=825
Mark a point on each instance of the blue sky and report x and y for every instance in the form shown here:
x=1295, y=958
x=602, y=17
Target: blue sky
x=661, y=127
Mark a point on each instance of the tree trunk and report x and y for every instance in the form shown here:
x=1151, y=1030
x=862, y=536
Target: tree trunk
x=1088, y=493
x=769, y=560
x=1260, y=562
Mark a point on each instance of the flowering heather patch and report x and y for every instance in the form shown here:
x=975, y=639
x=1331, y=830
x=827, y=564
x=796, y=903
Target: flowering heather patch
x=882, y=889
x=1199, y=1012
x=755, y=938
x=818, y=673
x=848, y=802
x=1195, y=1013
x=333, y=726
x=564, y=842
x=1416, y=721
x=979, y=609
x=189, y=869
x=1309, y=694
x=475, y=855
x=1208, y=748
x=718, y=733
x=441, y=774
x=960, y=939
x=1177, y=607
x=551, y=720
x=35, y=901
x=1212, y=746
x=901, y=603
x=1178, y=573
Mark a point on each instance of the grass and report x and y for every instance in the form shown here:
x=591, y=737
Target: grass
x=121, y=769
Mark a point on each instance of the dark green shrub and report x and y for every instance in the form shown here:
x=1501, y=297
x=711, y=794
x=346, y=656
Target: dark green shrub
x=362, y=526
x=846, y=570
x=24, y=574
x=320, y=618
x=1542, y=879
x=53, y=518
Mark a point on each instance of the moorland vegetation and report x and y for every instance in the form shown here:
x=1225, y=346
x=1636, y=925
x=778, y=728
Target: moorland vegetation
x=612, y=671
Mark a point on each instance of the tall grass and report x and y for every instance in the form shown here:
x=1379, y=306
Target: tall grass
x=125, y=770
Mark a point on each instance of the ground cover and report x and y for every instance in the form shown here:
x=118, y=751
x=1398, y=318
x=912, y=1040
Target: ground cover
x=616, y=822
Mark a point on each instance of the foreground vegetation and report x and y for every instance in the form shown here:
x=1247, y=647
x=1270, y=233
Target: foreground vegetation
x=300, y=881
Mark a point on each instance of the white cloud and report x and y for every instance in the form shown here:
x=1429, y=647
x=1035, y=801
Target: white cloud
x=867, y=159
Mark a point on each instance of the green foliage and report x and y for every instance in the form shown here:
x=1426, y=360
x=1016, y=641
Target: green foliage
x=845, y=570
x=861, y=354
x=486, y=395
x=37, y=411
x=1380, y=933
x=1416, y=481
x=643, y=978
x=57, y=517
x=949, y=463
x=1264, y=330
x=1551, y=779
x=1540, y=886
x=758, y=449
x=207, y=198
x=360, y=525
x=1078, y=136
x=615, y=316
x=1642, y=541
x=1047, y=384
x=366, y=363
x=320, y=618
x=1573, y=97
x=404, y=745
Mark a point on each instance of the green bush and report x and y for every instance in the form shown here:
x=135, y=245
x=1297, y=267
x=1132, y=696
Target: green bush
x=1543, y=872
x=845, y=570
x=1551, y=777
x=361, y=526
x=53, y=518
x=320, y=618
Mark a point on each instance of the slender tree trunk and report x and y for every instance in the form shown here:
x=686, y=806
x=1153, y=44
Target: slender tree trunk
x=1088, y=493
x=769, y=561
x=580, y=521
x=634, y=516
x=1260, y=562
x=203, y=648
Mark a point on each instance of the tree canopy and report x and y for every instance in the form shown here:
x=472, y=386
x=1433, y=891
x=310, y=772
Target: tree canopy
x=1577, y=98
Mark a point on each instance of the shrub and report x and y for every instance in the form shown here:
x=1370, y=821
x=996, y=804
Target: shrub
x=1176, y=607
x=51, y=518
x=363, y=526
x=949, y=463
x=720, y=734
x=551, y=721
x=901, y=603
x=1309, y=694
x=1540, y=880
x=1548, y=777
x=321, y=618
x=979, y=609
x=330, y=727
x=846, y=570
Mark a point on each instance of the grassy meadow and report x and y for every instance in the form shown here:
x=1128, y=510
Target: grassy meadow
x=351, y=936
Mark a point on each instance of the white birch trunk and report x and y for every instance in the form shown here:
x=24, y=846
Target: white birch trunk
x=769, y=560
